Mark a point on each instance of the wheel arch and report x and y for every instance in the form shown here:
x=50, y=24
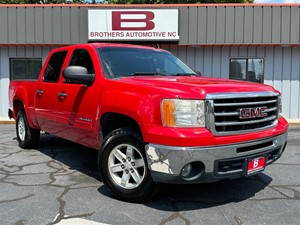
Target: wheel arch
x=111, y=121
x=21, y=101
x=18, y=105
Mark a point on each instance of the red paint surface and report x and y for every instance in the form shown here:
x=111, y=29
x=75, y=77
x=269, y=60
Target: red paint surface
x=135, y=97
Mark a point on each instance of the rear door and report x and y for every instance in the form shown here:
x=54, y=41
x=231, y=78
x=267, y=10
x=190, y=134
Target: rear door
x=46, y=92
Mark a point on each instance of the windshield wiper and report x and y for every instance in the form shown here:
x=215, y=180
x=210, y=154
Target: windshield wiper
x=161, y=74
x=186, y=74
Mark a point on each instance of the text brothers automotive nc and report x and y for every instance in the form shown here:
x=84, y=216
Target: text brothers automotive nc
x=140, y=24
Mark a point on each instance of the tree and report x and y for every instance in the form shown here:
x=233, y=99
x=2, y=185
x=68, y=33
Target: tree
x=175, y=1
x=121, y=1
x=43, y=1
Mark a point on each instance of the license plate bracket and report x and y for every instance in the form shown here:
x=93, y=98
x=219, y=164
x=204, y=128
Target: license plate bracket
x=255, y=165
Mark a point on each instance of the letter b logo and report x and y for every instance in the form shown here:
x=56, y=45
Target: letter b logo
x=128, y=20
x=255, y=163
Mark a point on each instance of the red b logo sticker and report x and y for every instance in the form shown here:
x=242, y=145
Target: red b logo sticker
x=119, y=23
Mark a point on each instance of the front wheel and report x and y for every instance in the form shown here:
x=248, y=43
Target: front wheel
x=123, y=167
x=27, y=136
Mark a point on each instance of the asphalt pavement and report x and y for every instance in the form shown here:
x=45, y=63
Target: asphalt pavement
x=58, y=183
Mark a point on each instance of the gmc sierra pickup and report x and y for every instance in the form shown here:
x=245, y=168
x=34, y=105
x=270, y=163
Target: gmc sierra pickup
x=150, y=116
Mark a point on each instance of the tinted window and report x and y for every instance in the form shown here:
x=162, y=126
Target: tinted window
x=54, y=67
x=82, y=58
x=25, y=68
x=119, y=62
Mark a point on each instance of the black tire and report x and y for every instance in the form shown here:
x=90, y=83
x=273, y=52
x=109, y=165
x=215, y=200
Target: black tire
x=139, y=186
x=27, y=136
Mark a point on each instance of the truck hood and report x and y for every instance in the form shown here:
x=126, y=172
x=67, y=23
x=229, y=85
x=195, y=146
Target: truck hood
x=194, y=87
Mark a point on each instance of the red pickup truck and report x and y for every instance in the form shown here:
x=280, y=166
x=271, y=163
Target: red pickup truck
x=152, y=118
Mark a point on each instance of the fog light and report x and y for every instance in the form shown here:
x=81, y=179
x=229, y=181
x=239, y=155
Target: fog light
x=186, y=171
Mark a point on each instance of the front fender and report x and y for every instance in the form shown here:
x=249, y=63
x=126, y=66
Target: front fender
x=142, y=108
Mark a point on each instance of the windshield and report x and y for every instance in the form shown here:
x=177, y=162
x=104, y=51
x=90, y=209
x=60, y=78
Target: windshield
x=121, y=62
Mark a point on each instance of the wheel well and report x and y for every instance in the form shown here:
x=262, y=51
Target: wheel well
x=113, y=121
x=18, y=105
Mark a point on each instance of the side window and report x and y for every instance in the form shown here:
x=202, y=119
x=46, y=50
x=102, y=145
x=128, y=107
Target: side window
x=54, y=67
x=82, y=58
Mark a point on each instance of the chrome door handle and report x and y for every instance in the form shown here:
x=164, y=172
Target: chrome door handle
x=40, y=92
x=62, y=94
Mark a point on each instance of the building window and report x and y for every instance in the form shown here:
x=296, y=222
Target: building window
x=25, y=68
x=247, y=69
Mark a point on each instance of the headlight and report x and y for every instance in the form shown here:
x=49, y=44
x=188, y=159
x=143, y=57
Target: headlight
x=183, y=113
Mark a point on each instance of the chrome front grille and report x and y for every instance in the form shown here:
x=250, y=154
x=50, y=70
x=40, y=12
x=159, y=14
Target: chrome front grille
x=236, y=113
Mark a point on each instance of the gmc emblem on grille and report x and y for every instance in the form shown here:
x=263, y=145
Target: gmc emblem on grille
x=251, y=113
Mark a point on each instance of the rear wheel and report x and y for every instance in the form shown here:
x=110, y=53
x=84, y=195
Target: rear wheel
x=123, y=167
x=27, y=136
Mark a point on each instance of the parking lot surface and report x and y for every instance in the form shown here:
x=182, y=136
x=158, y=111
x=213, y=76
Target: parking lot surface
x=58, y=183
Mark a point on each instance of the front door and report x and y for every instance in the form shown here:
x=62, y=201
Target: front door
x=77, y=104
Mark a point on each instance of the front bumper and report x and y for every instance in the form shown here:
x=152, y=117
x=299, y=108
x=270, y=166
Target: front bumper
x=210, y=163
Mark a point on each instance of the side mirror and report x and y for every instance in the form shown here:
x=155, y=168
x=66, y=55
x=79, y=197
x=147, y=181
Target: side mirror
x=78, y=75
x=198, y=73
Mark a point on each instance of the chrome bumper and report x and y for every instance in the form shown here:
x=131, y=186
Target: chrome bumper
x=219, y=162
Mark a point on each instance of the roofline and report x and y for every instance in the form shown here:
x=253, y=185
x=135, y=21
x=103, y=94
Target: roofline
x=169, y=44
x=34, y=45
x=153, y=5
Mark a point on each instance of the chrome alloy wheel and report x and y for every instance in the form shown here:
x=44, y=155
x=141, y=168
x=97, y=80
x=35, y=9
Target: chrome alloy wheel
x=21, y=129
x=126, y=166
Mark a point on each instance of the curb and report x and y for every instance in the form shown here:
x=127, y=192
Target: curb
x=6, y=122
x=294, y=124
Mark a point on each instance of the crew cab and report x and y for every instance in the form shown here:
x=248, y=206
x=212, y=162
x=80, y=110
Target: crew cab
x=151, y=117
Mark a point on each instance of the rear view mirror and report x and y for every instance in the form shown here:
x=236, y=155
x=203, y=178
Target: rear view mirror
x=78, y=75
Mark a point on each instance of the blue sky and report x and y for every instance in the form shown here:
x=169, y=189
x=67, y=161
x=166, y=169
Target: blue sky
x=277, y=1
